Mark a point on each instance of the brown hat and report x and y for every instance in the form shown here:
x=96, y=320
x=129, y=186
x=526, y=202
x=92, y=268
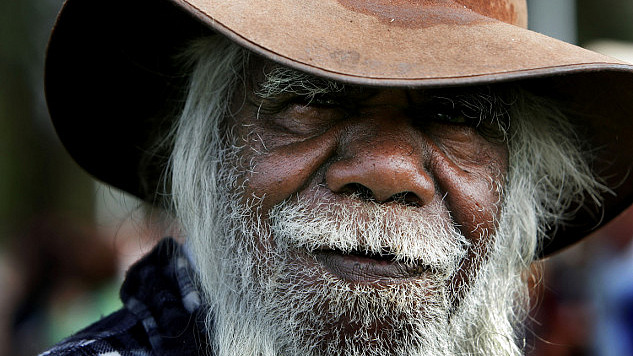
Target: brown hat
x=109, y=73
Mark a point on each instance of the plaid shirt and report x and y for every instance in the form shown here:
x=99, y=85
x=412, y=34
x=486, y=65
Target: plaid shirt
x=161, y=314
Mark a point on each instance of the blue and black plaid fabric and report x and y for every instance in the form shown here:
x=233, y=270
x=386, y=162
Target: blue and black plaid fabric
x=162, y=313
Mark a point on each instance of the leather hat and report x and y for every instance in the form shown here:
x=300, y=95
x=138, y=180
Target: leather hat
x=109, y=71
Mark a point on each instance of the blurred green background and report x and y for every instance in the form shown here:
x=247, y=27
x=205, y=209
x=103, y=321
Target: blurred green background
x=65, y=240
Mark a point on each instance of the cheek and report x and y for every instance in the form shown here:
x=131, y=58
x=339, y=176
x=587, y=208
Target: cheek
x=473, y=179
x=276, y=174
x=471, y=172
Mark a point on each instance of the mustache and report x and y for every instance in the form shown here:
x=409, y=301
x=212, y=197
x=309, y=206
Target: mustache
x=400, y=233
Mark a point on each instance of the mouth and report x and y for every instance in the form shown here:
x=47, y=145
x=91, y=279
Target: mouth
x=368, y=268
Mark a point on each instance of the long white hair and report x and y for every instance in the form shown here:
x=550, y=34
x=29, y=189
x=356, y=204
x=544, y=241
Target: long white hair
x=548, y=173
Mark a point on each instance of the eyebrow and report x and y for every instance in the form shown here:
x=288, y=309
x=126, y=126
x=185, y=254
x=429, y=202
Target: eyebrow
x=284, y=80
x=281, y=80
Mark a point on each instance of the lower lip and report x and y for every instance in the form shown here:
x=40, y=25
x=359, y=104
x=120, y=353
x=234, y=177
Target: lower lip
x=366, y=270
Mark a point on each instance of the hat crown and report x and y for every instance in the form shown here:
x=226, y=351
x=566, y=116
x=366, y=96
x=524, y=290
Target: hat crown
x=424, y=13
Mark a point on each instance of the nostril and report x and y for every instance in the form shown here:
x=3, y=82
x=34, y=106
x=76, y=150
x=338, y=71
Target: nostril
x=359, y=191
x=405, y=198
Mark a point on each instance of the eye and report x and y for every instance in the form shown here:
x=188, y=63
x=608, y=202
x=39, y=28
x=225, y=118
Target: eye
x=441, y=113
x=301, y=115
x=280, y=103
x=450, y=118
x=482, y=110
x=323, y=100
x=491, y=125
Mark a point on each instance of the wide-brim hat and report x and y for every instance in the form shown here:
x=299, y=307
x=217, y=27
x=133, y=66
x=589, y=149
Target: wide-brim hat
x=110, y=71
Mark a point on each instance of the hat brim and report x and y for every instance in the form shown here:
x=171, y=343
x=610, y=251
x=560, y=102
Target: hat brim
x=110, y=74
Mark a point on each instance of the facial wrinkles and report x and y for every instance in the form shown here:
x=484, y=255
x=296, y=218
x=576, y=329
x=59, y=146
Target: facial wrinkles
x=296, y=160
x=394, y=320
x=480, y=214
x=287, y=304
x=287, y=291
x=290, y=300
x=261, y=303
x=302, y=159
x=408, y=309
x=264, y=296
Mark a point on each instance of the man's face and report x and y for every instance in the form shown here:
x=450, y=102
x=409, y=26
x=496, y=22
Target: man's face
x=392, y=147
x=380, y=162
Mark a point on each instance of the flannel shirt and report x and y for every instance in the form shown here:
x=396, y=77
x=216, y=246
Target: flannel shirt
x=162, y=313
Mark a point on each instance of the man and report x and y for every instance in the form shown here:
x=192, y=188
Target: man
x=350, y=178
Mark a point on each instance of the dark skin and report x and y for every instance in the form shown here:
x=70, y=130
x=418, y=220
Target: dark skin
x=389, y=146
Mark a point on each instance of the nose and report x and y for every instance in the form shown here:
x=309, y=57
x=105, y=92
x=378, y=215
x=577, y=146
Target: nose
x=383, y=160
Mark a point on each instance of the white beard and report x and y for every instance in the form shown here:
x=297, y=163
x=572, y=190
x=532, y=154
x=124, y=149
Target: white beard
x=264, y=303
x=308, y=311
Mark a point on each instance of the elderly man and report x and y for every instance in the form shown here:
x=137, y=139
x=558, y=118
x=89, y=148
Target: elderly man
x=343, y=177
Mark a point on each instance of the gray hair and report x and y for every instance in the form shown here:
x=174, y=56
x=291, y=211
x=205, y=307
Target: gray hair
x=548, y=173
